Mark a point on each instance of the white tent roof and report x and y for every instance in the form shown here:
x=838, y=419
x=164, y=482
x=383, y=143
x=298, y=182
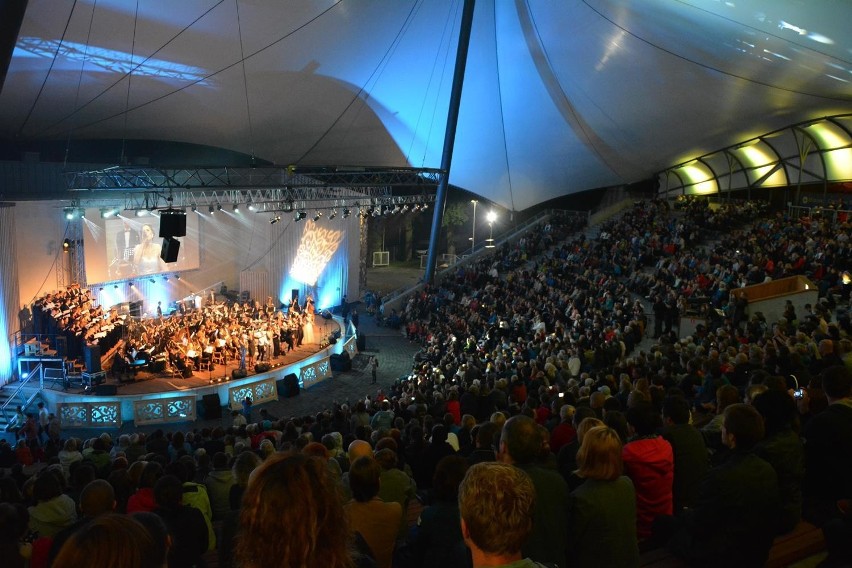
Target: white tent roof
x=560, y=96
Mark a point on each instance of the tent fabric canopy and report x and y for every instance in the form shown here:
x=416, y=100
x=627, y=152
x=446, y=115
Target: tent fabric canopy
x=559, y=96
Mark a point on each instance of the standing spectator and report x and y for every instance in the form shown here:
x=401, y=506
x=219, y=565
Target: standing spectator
x=219, y=482
x=437, y=541
x=247, y=403
x=828, y=447
x=520, y=445
x=374, y=366
x=29, y=432
x=733, y=520
x=603, y=507
x=690, y=453
x=782, y=448
x=43, y=421
x=649, y=462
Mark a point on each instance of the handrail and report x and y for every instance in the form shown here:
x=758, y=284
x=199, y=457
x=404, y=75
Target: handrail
x=4, y=408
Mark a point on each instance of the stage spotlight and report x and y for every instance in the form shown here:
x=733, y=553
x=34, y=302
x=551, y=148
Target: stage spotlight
x=275, y=219
x=333, y=214
x=140, y=213
x=131, y=284
x=317, y=215
x=177, y=276
x=236, y=208
x=100, y=289
x=106, y=213
x=195, y=207
x=69, y=213
x=251, y=206
x=116, y=287
x=165, y=278
x=66, y=244
x=218, y=207
x=346, y=213
x=153, y=281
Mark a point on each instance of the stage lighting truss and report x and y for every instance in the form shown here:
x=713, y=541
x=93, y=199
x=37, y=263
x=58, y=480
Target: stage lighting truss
x=330, y=201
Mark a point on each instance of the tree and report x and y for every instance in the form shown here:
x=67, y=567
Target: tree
x=455, y=215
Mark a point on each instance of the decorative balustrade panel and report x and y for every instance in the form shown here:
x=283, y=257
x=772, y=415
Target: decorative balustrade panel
x=89, y=414
x=351, y=346
x=164, y=410
x=259, y=392
x=315, y=373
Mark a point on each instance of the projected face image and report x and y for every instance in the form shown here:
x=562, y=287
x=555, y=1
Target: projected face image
x=146, y=255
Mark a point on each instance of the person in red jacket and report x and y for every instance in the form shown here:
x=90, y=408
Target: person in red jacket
x=649, y=462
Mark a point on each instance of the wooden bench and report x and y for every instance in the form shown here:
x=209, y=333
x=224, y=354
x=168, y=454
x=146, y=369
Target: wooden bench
x=803, y=541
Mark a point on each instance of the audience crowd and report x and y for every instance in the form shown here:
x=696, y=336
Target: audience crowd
x=710, y=444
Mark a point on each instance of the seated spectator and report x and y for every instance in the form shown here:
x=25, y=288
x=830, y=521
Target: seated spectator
x=292, y=516
x=187, y=527
x=244, y=464
x=109, y=541
x=97, y=498
x=603, y=507
x=377, y=522
x=649, y=463
x=496, y=503
x=394, y=484
x=733, y=520
x=487, y=437
x=53, y=510
x=13, y=528
x=143, y=499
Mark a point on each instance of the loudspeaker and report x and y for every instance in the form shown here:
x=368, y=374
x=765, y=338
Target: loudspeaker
x=211, y=408
x=281, y=387
x=294, y=294
x=169, y=251
x=172, y=224
x=326, y=314
x=361, y=342
x=92, y=358
x=106, y=390
x=135, y=309
x=261, y=367
x=238, y=374
x=291, y=383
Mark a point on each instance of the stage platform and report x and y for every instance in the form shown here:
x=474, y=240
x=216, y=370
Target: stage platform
x=160, y=398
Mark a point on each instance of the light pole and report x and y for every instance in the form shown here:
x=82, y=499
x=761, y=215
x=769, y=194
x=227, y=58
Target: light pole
x=491, y=217
x=473, y=233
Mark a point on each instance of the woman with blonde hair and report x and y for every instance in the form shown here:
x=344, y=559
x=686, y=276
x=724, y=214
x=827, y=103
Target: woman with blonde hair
x=295, y=492
x=603, y=507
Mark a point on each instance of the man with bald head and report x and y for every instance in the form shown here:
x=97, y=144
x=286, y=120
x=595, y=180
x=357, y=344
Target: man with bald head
x=97, y=498
x=357, y=449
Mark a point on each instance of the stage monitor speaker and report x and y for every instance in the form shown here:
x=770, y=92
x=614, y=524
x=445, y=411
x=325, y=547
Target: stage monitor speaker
x=106, y=390
x=135, y=309
x=172, y=224
x=326, y=314
x=169, y=252
x=291, y=384
x=211, y=407
x=92, y=358
x=361, y=342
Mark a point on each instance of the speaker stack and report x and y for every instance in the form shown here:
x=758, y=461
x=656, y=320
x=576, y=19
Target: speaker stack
x=172, y=224
x=211, y=407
